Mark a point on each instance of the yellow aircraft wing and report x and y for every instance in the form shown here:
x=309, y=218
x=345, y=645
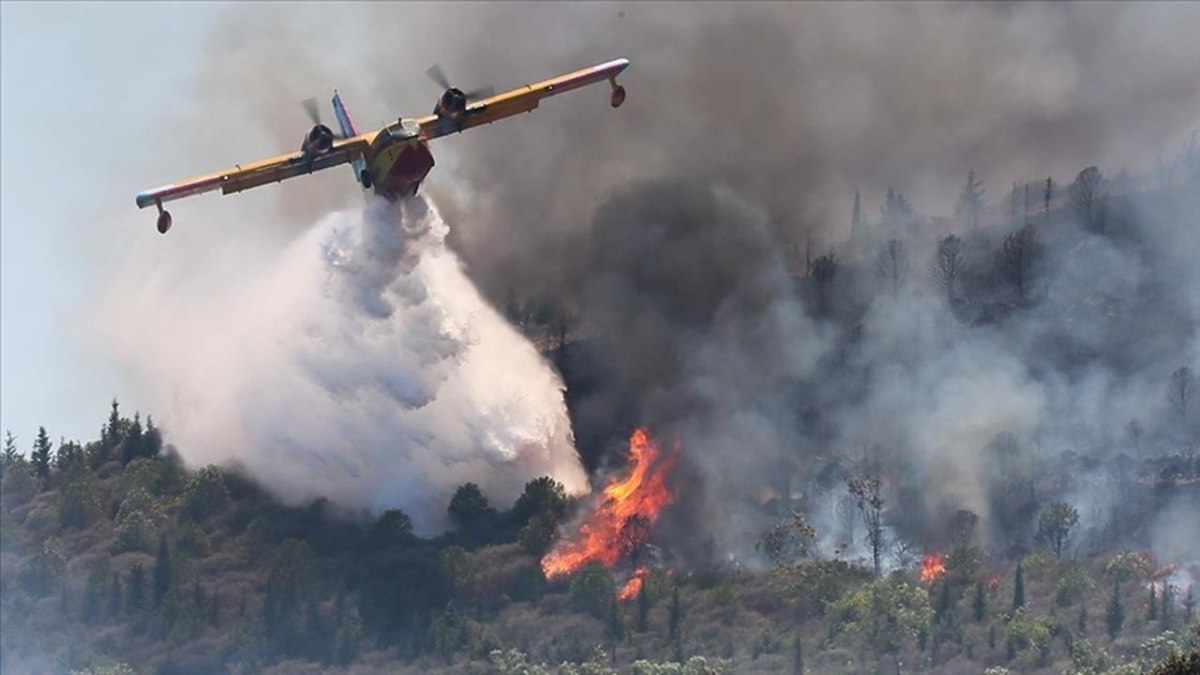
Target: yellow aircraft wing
x=524, y=99
x=273, y=170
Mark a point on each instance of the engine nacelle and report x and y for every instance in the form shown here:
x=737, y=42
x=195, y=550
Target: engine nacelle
x=452, y=104
x=318, y=141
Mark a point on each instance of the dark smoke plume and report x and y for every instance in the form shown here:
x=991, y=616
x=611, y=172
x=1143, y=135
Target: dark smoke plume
x=677, y=226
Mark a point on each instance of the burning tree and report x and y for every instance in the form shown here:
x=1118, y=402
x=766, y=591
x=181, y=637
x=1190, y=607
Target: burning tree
x=970, y=201
x=1055, y=525
x=788, y=540
x=824, y=269
x=948, y=264
x=619, y=524
x=868, y=496
x=933, y=566
x=892, y=264
x=1017, y=259
x=1179, y=393
x=1087, y=194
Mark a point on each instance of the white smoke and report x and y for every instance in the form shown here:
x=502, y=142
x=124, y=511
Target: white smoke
x=359, y=363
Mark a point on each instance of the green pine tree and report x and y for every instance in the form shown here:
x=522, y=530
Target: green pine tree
x=40, y=458
x=10, y=455
x=134, y=440
x=110, y=435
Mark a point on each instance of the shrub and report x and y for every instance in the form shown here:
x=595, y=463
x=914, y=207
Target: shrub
x=78, y=498
x=393, y=527
x=1129, y=565
x=135, y=531
x=592, y=589
x=191, y=540
x=42, y=571
x=20, y=484
x=205, y=494
x=1072, y=586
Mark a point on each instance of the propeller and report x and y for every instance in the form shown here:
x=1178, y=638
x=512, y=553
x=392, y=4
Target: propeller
x=436, y=74
x=314, y=114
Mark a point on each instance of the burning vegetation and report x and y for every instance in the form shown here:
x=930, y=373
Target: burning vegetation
x=933, y=566
x=617, y=526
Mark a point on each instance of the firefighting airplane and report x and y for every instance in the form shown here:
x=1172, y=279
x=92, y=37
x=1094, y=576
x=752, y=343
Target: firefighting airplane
x=395, y=159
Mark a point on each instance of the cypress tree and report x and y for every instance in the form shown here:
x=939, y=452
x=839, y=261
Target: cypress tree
x=162, y=571
x=115, y=596
x=1019, y=588
x=1152, y=610
x=676, y=613
x=797, y=655
x=1081, y=624
x=643, y=609
x=980, y=605
x=1189, y=604
x=137, y=586
x=91, y=597
x=1168, y=599
x=1116, y=612
x=616, y=627
x=945, y=603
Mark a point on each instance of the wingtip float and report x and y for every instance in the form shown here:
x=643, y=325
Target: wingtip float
x=395, y=159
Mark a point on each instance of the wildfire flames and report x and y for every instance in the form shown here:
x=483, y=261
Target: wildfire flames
x=634, y=585
x=619, y=523
x=932, y=566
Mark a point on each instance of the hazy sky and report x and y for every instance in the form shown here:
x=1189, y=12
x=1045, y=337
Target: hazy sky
x=78, y=80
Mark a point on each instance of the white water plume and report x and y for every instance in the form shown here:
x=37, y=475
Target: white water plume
x=359, y=363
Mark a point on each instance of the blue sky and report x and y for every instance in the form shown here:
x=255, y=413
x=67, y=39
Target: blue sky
x=78, y=81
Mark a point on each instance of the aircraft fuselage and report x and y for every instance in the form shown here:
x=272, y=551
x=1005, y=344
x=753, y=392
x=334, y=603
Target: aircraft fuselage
x=399, y=159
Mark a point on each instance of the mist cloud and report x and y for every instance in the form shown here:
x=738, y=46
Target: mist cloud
x=358, y=364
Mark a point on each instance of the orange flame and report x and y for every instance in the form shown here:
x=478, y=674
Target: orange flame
x=932, y=567
x=617, y=524
x=993, y=582
x=634, y=585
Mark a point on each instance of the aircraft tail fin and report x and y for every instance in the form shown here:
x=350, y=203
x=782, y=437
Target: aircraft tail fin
x=359, y=166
